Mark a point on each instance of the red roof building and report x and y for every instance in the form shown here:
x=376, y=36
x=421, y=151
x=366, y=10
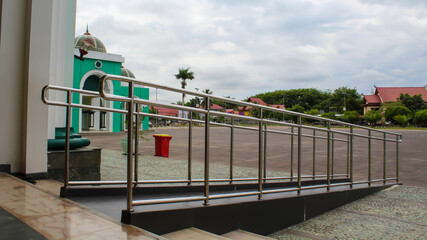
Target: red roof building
x=390, y=94
x=216, y=107
x=257, y=100
x=280, y=106
x=167, y=111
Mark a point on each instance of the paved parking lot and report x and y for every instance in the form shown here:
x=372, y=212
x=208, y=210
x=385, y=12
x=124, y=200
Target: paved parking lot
x=412, y=152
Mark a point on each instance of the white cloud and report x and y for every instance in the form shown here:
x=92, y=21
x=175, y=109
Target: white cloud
x=240, y=48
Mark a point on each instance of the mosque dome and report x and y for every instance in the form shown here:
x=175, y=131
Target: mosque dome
x=90, y=42
x=127, y=73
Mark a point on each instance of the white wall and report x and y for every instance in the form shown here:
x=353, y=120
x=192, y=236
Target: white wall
x=32, y=54
x=62, y=71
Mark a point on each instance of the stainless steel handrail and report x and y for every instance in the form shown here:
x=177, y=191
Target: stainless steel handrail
x=132, y=171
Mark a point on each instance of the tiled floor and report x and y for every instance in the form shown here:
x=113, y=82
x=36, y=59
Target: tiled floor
x=57, y=218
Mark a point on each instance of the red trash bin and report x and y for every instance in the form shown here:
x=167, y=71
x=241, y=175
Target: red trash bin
x=162, y=145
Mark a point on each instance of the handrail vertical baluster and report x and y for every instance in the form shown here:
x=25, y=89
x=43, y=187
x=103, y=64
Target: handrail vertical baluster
x=314, y=154
x=348, y=156
x=207, y=139
x=67, y=140
x=299, y=153
x=130, y=148
x=385, y=158
x=231, y=149
x=292, y=154
x=351, y=156
x=260, y=153
x=397, y=157
x=369, y=157
x=265, y=152
x=328, y=157
x=190, y=147
x=136, y=160
x=332, y=154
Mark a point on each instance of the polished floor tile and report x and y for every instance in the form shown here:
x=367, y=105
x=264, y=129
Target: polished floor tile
x=39, y=209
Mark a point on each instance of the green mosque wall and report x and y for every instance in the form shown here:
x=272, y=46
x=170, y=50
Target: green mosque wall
x=109, y=67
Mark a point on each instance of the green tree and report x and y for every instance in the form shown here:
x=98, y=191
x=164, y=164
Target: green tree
x=420, y=118
x=203, y=102
x=183, y=75
x=305, y=97
x=372, y=117
x=295, y=108
x=414, y=103
x=346, y=99
x=393, y=111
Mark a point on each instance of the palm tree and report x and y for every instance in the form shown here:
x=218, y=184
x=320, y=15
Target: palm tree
x=203, y=103
x=184, y=74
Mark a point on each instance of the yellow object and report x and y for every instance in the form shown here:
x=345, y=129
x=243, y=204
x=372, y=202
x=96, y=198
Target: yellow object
x=161, y=135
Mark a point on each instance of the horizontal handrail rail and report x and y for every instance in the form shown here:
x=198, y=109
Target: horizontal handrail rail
x=121, y=182
x=246, y=193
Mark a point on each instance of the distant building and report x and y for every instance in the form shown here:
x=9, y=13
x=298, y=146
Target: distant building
x=91, y=61
x=390, y=94
x=245, y=110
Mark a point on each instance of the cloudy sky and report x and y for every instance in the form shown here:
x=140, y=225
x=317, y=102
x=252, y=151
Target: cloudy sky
x=242, y=47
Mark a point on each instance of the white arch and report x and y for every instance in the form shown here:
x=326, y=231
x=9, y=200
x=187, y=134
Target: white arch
x=99, y=74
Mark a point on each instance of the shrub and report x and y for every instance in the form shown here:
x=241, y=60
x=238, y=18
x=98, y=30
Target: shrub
x=372, y=116
x=401, y=119
x=350, y=116
x=330, y=115
x=420, y=118
x=393, y=111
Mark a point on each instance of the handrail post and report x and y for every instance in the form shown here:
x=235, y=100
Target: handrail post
x=260, y=153
x=265, y=152
x=190, y=147
x=314, y=154
x=369, y=157
x=348, y=156
x=351, y=156
x=328, y=157
x=207, y=139
x=292, y=154
x=299, y=153
x=231, y=149
x=130, y=150
x=397, y=157
x=136, y=160
x=385, y=158
x=67, y=140
x=332, y=154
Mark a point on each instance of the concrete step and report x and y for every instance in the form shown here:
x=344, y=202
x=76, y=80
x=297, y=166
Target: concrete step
x=193, y=234
x=244, y=235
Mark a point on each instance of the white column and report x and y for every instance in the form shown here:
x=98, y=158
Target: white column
x=13, y=72
x=46, y=63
